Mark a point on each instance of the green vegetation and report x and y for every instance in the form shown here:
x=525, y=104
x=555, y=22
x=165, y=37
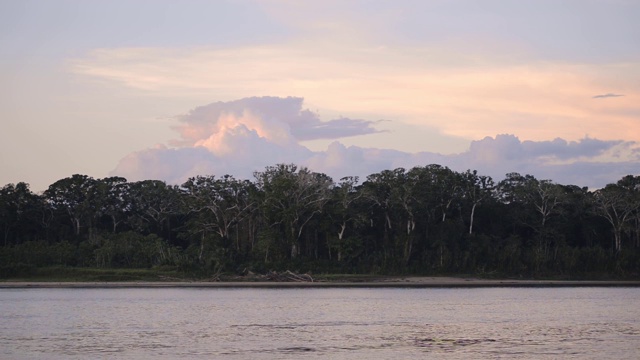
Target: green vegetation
x=424, y=221
x=62, y=273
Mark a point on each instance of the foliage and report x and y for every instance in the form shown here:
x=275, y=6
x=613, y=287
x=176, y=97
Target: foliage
x=425, y=220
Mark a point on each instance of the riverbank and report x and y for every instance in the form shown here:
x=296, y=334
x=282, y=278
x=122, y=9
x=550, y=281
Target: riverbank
x=390, y=282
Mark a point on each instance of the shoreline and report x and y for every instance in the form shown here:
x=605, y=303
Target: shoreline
x=404, y=282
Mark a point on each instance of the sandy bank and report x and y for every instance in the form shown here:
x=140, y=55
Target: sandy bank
x=404, y=282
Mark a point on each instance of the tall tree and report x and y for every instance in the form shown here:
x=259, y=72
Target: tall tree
x=476, y=190
x=113, y=199
x=18, y=206
x=632, y=184
x=153, y=202
x=343, y=196
x=619, y=203
x=75, y=196
x=219, y=204
x=292, y=197
x=378, y=190
x=403, y=195
x=538, y=201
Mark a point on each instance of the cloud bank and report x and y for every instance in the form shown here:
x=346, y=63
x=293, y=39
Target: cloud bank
x=243, y=136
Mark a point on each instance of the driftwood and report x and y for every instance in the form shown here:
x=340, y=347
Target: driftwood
x=288, y=276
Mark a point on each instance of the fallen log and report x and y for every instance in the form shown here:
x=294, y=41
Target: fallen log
x=288, y=276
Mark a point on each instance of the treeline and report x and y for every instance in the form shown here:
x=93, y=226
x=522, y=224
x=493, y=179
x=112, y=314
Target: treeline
x=426, y=220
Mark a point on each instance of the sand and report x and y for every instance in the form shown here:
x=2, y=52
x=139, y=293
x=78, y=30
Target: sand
x=395, y=282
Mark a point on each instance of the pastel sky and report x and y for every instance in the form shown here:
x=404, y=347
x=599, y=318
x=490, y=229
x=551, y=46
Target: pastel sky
x=171, y=89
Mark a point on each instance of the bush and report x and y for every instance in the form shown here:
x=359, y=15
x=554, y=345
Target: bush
x=16, y=270
x=133, y=250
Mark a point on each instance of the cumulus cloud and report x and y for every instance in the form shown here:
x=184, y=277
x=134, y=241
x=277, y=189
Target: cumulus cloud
x=608, y=95
x=587, y=162
x=276, y=119
x=243, y=136
x=508, y=148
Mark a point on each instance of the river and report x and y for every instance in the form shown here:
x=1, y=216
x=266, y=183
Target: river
x=400, y=323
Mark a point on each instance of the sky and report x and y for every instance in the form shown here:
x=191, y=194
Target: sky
x=157, y=89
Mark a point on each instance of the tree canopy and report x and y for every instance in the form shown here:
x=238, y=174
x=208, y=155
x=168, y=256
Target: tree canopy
x=424, y=220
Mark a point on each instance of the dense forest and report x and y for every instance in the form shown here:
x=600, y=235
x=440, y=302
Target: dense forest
x=426, y=220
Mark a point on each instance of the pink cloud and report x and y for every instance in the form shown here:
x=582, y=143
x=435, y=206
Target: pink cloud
x=240, y=137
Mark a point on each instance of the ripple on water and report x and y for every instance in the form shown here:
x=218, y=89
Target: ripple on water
x=323, y=323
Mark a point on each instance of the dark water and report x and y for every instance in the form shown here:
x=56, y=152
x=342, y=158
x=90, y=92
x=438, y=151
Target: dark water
x=509, y=323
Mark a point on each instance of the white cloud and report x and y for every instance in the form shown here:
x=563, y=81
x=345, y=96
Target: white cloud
x=244, y=136
x=587, y=162
x=278, y=120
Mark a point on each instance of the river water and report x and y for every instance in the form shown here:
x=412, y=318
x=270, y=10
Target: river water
x=509, y=323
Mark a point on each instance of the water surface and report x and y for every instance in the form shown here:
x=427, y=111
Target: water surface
x=246, y=323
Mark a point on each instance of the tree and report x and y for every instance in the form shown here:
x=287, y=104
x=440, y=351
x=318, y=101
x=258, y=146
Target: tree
x=403, y=195
x=344, y=195
x=446, y=187
x=17, y=210
x=75, y=196
x=113, y=199
x=476, y=190
x=435, y=188
x=619, y=203
x=632, y=185
x=378, y=192
x=219, y=204
x=540, y=198
x=153, y=202
x=535, y=202
x=292, y=197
